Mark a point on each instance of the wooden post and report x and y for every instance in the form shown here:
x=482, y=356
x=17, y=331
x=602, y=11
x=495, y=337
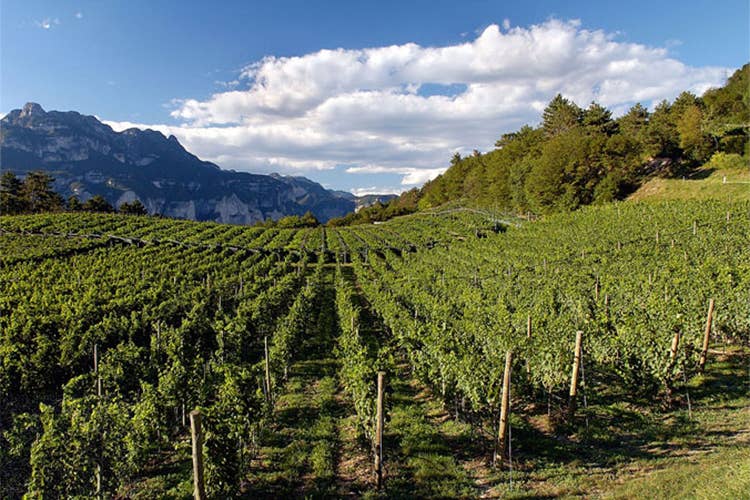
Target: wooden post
x=528, y=336
x=657, y=236
x=379, y=432
x=98, y=481
x=706, y=336
x=596, y=289
x=502, y=433
x=673, y=349
x=672, y=360
x=96, y=371
x=268, y=369
x=574, y=375
x=695, y=227
x=606, y=304
x=99, y=394
x=199, y=491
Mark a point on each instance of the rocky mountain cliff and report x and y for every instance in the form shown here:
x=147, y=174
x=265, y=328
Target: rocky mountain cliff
x=86, y=158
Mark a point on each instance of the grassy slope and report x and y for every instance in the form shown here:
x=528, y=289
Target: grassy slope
x=704, y=184
x=633, y=450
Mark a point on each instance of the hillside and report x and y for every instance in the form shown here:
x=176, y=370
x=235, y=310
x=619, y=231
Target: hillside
x=582, y=156
x=704, y=183
x=277, y=335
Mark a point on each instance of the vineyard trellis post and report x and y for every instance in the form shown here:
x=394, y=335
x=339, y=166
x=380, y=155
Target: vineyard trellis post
x=706, y=336
x=267, y=368
x=96, y=371
x=379, y=431
x=528, y=337
x=574, y=375
x=99, y=396
x=672, y=359
x=502, y=434
x=196, y=433
x=606, y=305
x=673, y=349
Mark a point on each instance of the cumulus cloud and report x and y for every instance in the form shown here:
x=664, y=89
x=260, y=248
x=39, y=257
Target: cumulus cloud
x=79, y=15
x=366, y=109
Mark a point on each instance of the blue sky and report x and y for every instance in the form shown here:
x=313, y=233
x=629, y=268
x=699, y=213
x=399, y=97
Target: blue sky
x=386, y=111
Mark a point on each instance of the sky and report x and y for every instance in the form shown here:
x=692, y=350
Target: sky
x=364, y=96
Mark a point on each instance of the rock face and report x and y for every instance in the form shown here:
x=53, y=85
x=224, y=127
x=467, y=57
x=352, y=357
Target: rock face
x=86, y=158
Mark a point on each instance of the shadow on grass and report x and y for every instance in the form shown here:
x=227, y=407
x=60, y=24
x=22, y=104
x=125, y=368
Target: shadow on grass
x=624, y=429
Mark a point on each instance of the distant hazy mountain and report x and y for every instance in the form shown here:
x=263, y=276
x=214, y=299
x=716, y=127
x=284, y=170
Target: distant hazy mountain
x=366, y=199
x=87, y=157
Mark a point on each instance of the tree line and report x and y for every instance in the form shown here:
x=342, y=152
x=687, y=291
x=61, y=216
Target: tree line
x=578, y=156
x=34, y=194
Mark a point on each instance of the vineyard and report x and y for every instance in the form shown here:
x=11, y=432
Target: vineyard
x=517, y=358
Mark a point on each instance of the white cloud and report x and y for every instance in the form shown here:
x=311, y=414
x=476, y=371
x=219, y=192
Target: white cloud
x=47, y=23
x=361, y=109
x=376, y=190
x=79, y=15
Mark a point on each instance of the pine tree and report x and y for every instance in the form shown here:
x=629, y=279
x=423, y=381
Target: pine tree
x=599, y=119
x=38, y=193
x=559, y=116
x=134, y=208
x=98, y=204
x=11, y=197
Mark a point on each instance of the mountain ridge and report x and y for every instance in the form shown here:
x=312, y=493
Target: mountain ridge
x=87, y=157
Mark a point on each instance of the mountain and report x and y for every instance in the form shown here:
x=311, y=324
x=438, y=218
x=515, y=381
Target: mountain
x=366, y=200
x=86, y=157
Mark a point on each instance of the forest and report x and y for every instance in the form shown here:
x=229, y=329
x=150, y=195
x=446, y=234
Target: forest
x=581, y=156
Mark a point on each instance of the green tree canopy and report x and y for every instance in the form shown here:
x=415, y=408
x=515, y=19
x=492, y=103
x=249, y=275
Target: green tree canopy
x=133, y=208
x=559, y=116
x=11, y=196
x=38, y=193
x=98, y=204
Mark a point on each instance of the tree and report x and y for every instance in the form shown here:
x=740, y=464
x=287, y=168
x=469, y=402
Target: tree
x=559, y=116
x=599, y=119
x=456, y=158
x=74, y=204
x=11, y=198
x=727, y=112
x=695, y=144
x=133, y=208
x=38, y=194
x=662, y=138
x=634, y=122
x=309, y=220
x=295, y=221
x=98, y=204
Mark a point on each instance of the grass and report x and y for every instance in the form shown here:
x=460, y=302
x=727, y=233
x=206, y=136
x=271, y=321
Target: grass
x=704, y=183
x=422, y=456
x=299, y=449
x=634, y=450
x=719, y=475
